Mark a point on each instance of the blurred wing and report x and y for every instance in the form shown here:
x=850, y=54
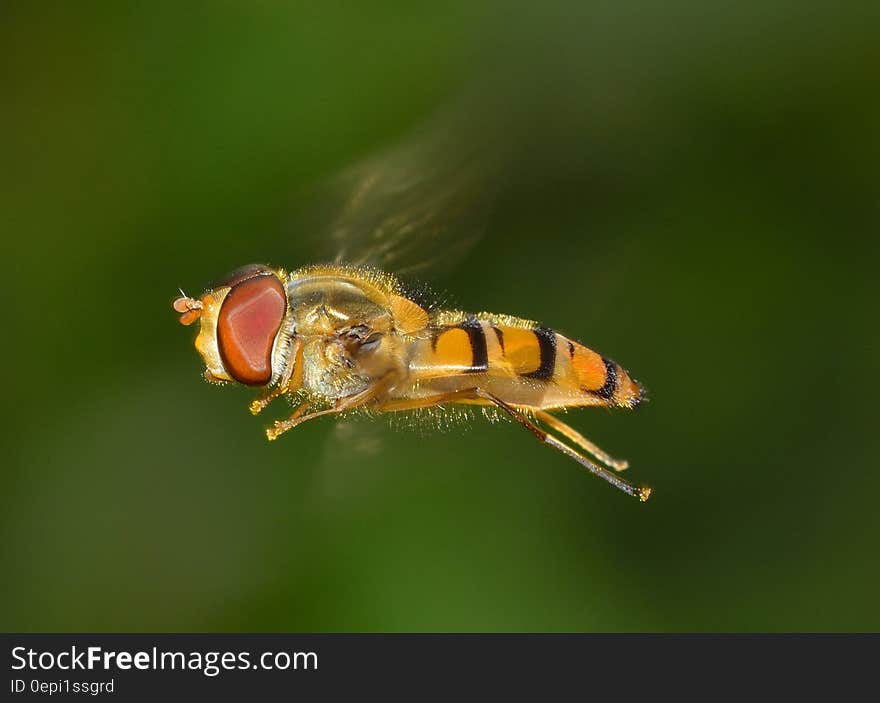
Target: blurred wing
x=413, y=209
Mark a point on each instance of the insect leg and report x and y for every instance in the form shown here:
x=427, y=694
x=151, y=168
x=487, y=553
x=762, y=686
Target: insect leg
x=401, y=404
x=577, y=438
x=343, y=404
x=640, y=492
x=281, y=426
x=290, y=380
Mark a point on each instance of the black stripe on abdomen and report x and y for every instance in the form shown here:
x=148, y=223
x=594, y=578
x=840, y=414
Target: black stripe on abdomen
x=500, y=336
x=547, y=345
x=477, y=338
x=607, y=391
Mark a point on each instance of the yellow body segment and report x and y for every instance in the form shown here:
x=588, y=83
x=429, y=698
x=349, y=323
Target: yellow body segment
x=524, y=364
x=451, y=351
x=517, y=353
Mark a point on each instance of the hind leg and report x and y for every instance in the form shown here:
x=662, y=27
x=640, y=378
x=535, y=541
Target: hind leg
x=477, y=395
x=572, y=435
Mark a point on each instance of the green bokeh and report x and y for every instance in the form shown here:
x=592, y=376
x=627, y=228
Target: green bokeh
x=698, y=198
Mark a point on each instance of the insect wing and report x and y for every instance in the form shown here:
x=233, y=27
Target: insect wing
x=414, y=209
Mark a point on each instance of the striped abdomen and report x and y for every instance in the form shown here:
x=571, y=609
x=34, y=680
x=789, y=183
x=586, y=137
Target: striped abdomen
x=522, y=364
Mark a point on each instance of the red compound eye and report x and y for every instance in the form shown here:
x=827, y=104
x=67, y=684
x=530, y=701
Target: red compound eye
x=246, y=327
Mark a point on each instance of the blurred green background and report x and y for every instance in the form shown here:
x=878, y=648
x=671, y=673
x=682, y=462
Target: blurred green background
x=698, y=198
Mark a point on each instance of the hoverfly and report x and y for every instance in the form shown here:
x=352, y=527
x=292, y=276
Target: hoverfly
x=346, y=336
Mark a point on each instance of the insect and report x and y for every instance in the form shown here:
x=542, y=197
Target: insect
x=339, y=338
x=345, y=337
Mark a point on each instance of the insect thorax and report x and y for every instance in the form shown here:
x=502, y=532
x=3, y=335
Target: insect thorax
x=327, y=305
x=343, y=323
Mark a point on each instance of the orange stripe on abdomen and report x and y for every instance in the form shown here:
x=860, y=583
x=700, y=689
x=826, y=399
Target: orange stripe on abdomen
x=520, y=353
x=458, y=348
x=588, y=367
x=603, y=377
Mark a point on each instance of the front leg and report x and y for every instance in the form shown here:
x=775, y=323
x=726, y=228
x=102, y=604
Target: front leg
x=299, y=416
x=290, y=381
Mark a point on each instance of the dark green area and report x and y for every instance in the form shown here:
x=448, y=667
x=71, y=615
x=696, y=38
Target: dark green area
x=699, y=201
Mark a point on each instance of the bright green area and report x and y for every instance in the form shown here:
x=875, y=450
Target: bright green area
x=701, y=204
